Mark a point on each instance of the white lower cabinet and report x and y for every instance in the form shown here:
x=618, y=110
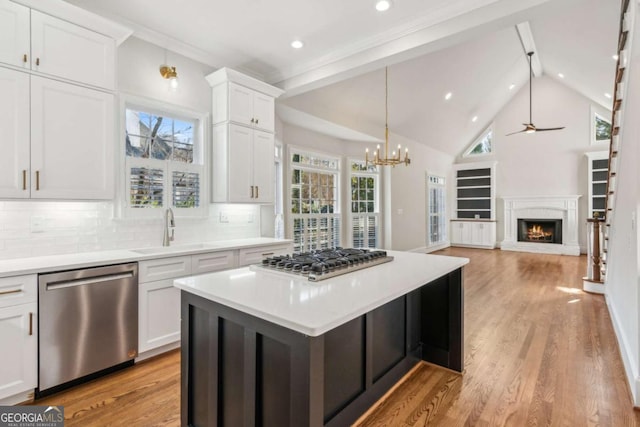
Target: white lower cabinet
x=19, y=337
x=159, y=300
x=480, y=234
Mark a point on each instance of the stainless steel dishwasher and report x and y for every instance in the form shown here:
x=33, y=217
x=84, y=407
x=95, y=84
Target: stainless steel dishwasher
x=88, y=323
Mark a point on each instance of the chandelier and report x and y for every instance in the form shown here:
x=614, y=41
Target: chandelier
x=395, y=158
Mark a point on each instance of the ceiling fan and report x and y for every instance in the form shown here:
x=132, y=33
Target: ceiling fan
x=530, y=127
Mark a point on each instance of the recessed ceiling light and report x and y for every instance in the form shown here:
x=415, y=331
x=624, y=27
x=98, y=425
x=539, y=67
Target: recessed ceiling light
x=511, y=86
x=615, y=57
x=382, y=5
x=561, y=75
x=448, y=96
x=608, y=95
x=474, y=119
x=297, y=44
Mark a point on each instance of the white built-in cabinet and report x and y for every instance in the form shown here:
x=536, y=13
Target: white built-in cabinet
x=473, y=233
x=241, y=167
x=474, y=222
x=19, y=335
x=243, y=140
x=57, y=107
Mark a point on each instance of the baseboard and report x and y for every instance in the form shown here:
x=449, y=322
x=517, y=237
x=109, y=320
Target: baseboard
x=429, y=249
x=25, y=397
x=157, y=351
x=626, y=354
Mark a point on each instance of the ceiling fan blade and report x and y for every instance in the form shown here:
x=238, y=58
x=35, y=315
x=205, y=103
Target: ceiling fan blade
x=545, y=129
x=513, y=133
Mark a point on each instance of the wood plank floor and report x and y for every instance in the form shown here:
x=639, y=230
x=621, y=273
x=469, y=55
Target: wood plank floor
x=538, y=351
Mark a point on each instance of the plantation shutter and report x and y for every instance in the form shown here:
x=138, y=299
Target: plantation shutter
x=146, y=187
x=186, y=189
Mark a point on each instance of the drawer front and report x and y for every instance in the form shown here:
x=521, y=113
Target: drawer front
x=18, y=290
x=256, y=255
x=215, y=261
x=164, y=268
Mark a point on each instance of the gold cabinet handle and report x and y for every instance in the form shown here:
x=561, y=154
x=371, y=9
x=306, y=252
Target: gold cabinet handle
x=257, y=192
x=24, y=179
x=24, y=58
x=37, y=180
x=256, y=121
x=30, y=323
x=252, y=192
x=12, y=291
x=38, y=61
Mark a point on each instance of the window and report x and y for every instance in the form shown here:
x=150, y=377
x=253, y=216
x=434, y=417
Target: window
x=315, y=213
x=163, y=161
x=364, y=205
x=279, y=202
x=436, y=218
x=482, y=145
x=600, y=128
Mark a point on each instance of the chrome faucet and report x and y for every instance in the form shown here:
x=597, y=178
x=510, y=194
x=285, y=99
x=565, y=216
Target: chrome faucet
x=168, y=222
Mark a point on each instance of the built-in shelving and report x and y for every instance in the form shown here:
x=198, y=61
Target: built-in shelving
x=598, y=172
x=474, y=196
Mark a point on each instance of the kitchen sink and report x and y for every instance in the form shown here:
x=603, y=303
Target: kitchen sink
x=171, y=249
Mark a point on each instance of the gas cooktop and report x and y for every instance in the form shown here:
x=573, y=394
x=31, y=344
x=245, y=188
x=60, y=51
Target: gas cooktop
x=325, y=263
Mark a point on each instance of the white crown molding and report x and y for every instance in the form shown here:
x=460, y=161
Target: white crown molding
x=81, y=17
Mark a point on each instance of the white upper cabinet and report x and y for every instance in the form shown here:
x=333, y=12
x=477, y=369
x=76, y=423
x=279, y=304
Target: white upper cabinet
x=14, y=34
x=14, y=125
x=61, y=49
x=71, y=141
x=249, y=107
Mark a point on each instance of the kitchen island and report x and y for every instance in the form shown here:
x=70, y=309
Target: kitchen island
x=265, y=348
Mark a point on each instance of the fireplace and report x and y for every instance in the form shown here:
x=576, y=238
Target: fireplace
x=540, y=230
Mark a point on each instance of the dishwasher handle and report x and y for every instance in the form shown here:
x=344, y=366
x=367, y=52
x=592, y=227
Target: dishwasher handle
x=88, y=281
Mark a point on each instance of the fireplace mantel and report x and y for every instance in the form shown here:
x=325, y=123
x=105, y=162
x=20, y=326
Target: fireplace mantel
x=541, y=207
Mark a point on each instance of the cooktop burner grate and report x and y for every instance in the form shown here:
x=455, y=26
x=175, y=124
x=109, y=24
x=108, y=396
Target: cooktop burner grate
x=326, y=263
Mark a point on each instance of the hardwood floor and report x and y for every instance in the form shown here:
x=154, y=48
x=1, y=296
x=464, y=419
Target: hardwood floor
x=538, y=351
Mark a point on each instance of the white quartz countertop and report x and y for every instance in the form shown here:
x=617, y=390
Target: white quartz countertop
x=45, y=264
x=313, y=308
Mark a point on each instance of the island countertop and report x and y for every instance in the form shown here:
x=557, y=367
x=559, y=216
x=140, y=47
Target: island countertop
x=313, y=308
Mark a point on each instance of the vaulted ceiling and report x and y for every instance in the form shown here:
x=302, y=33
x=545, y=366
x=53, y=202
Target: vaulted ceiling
x=470, y=48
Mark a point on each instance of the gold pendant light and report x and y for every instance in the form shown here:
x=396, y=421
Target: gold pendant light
x=395, y=158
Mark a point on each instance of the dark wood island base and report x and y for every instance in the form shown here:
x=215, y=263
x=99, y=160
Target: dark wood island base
x=240, y=370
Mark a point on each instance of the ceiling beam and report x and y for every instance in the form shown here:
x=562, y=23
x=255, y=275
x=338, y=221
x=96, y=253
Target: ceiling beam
x=529, y=45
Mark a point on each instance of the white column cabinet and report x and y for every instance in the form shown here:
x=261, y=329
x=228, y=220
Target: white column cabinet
x=243, y=111
x=15, y=48
x=19, y=335
x=14, y=123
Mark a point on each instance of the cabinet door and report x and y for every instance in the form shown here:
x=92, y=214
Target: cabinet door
x=14, y=125
x=14, y=33
x=158, y=314
x=457, y=233
x=250, y=256
x=62, y=49
x=241, y=104
x=264, y=112
x=240, y=168
x=19, y=363
x=72, y=143
x=263, y=166
x=477, y=233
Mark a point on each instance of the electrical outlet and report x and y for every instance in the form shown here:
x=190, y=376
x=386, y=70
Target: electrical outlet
x=224, y=217
x=37, y=224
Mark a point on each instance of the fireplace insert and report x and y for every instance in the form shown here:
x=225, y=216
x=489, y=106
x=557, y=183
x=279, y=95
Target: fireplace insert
x=540, y=230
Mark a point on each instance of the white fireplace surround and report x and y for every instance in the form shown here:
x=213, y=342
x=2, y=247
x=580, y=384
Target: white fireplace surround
x=541, y=207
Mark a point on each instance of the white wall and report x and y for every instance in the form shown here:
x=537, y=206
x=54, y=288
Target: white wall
x=33, y=228
x=623, y=258
x=403, y=189
x=543, y=163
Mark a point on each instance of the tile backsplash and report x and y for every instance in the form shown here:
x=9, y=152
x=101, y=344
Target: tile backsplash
x=32, y=228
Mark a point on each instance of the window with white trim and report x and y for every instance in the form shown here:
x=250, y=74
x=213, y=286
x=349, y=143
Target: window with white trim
x=482, y=145
x=315, y=210
x=279, y=200
x=164, y=165
x=436, y=215
x=600, y=128
x=365, y=217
